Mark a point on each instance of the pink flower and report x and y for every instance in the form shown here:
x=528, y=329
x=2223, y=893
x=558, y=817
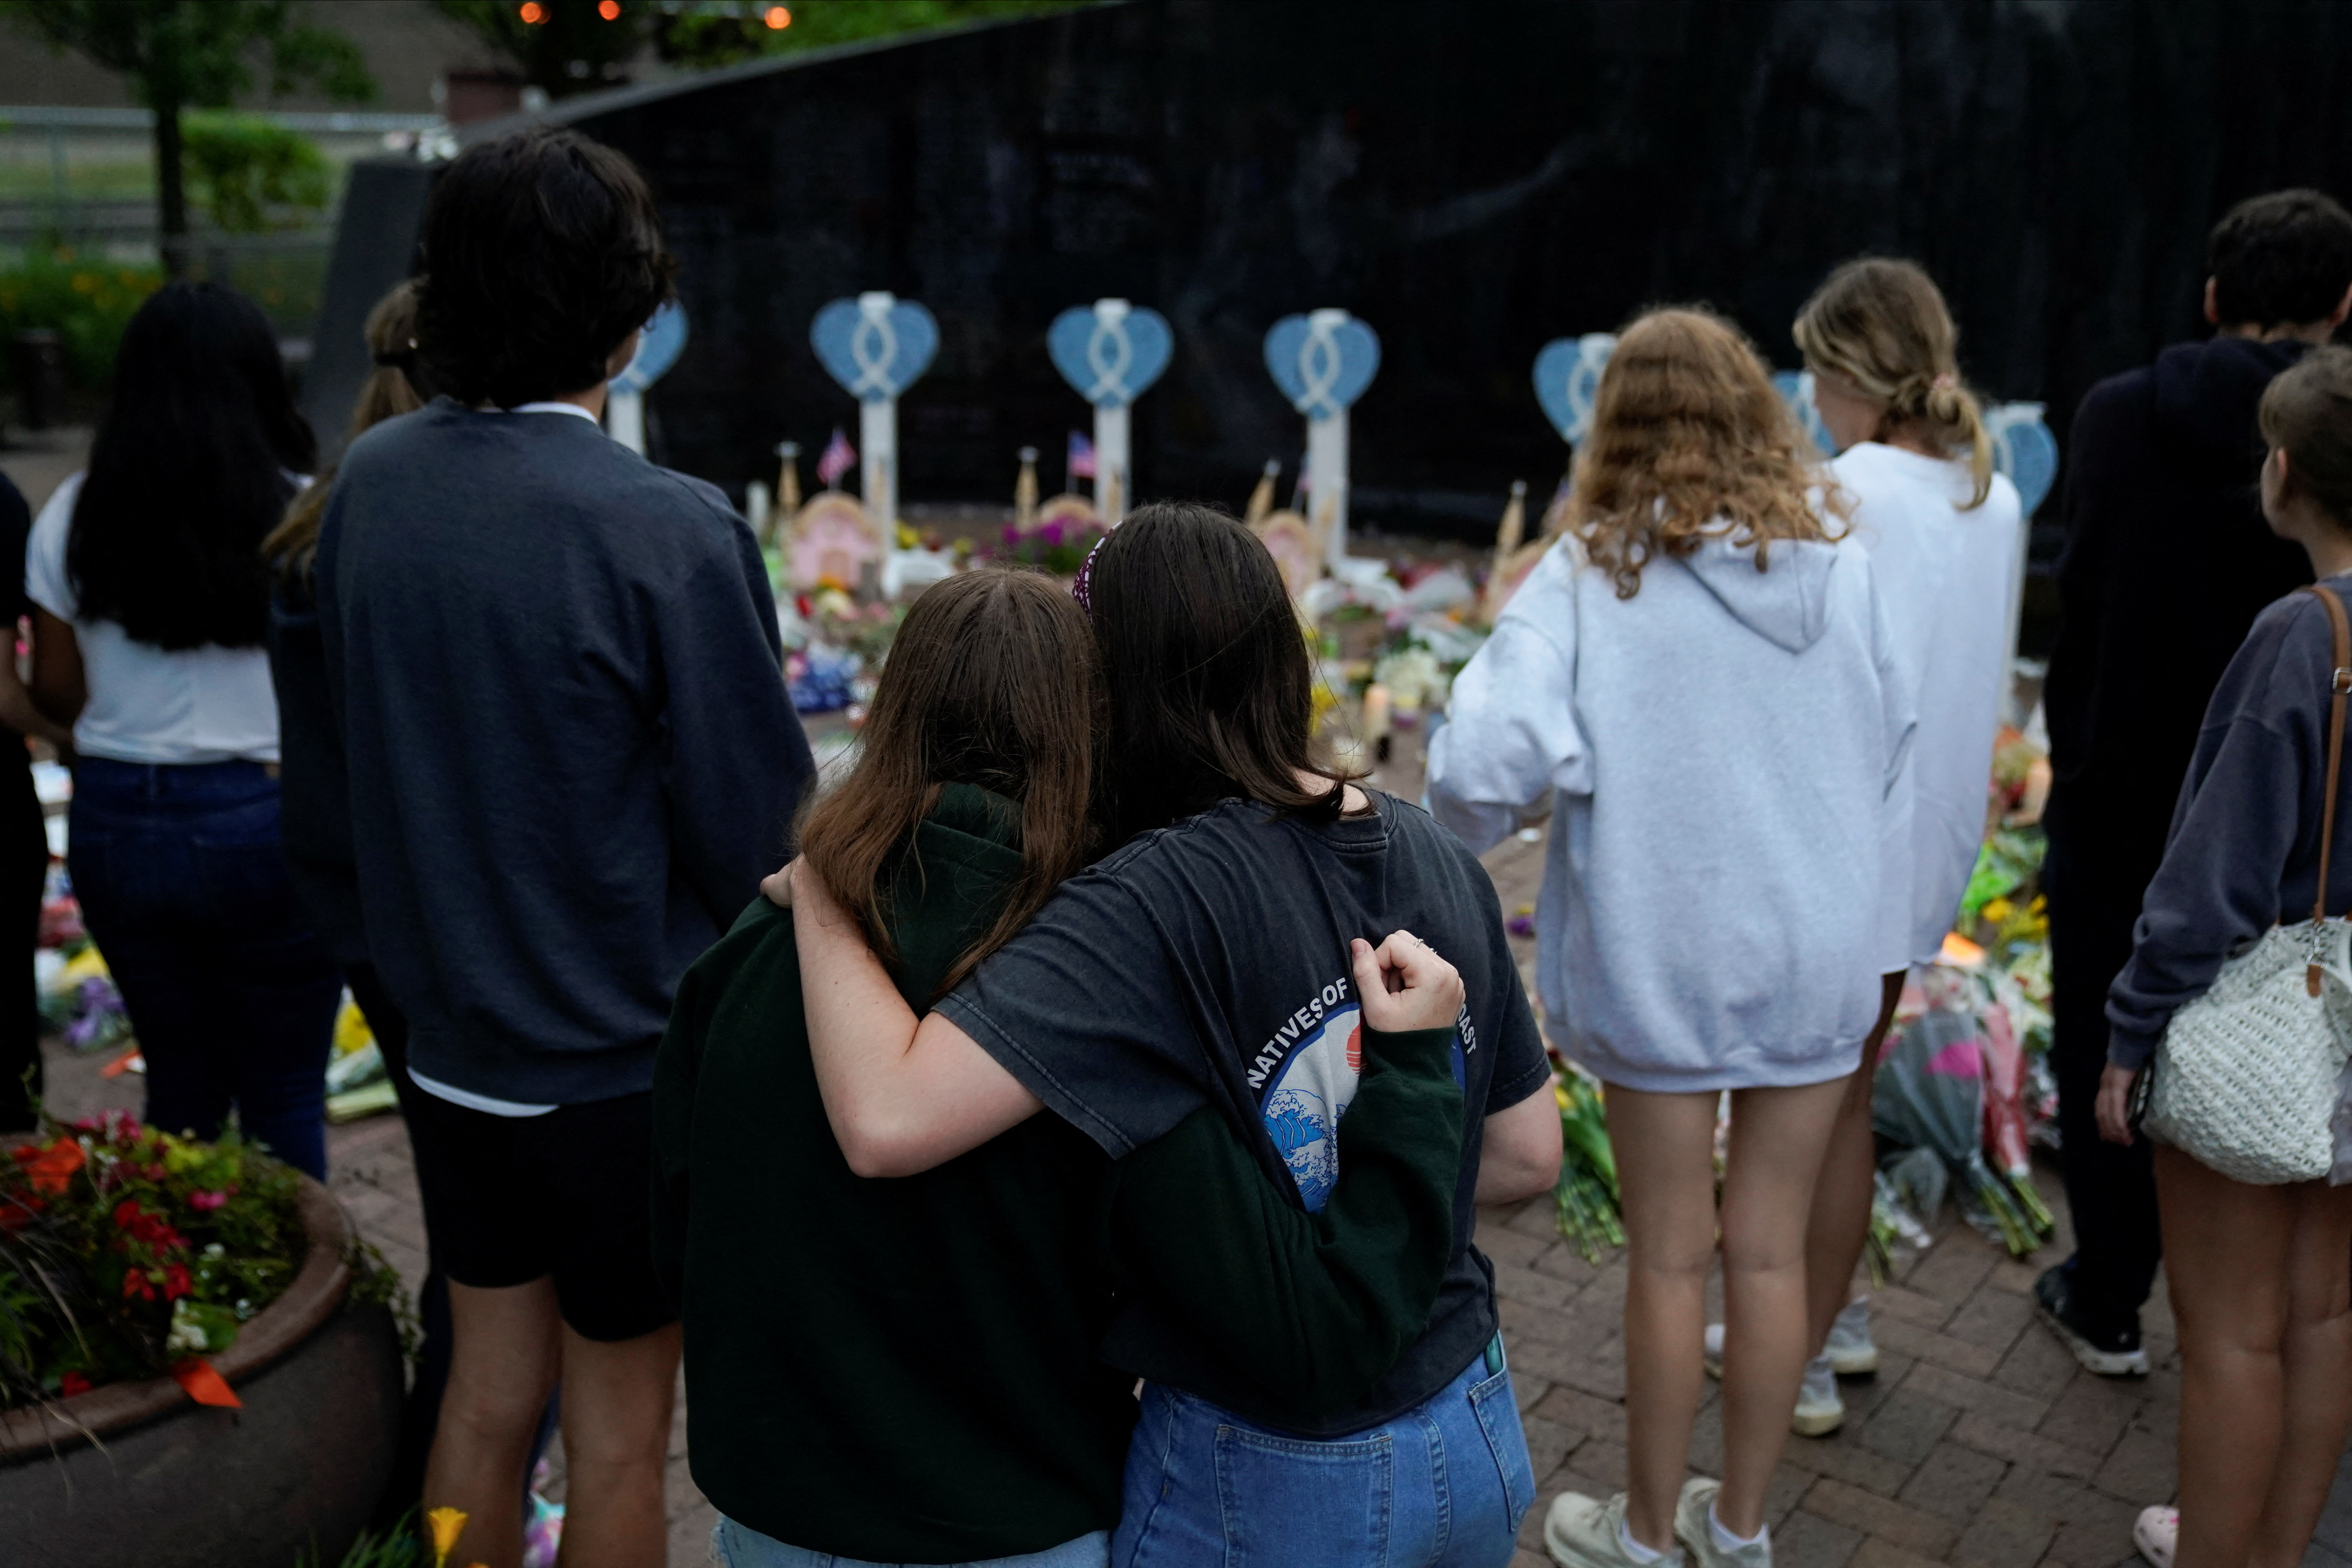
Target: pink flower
x=205, y=1202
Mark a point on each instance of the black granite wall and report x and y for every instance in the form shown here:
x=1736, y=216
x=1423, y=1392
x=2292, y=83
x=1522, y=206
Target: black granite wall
x=1473, y=177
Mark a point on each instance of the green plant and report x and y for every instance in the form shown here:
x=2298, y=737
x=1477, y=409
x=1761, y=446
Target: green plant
x=86, y=301
x=125, y=1251
x=375, y=1284
x=398, y=1547
x=253, y=175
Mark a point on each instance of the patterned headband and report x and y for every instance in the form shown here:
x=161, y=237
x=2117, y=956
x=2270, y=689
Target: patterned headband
x=1082, y=586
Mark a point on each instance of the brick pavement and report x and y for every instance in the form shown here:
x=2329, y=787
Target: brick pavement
x=1978, y=1442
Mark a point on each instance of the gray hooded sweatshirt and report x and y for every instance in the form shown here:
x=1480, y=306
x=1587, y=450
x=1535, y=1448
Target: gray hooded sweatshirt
x=1725, y=756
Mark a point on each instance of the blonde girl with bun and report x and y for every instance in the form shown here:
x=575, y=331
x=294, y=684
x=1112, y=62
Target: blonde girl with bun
x=1698, y=683
x=1944, y=541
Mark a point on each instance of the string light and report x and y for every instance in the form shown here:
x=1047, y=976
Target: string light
x=533, y=13
x=777, y=16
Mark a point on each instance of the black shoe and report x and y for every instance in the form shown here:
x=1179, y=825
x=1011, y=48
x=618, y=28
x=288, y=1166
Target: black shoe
x=2108, y=1351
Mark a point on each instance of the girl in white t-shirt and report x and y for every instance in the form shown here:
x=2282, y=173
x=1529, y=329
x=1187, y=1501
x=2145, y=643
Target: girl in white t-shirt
x=1945, y=542
x=150, y=601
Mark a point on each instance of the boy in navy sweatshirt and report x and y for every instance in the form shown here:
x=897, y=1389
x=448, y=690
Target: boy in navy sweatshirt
x=558, y=674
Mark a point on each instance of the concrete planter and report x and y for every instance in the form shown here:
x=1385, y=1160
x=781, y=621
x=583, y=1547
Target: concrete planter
x=134, y=1473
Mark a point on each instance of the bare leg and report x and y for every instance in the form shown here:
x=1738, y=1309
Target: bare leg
x=1778, y=1139
x=1840, y=1227
x=2226, y=1246
x=2317, y=1372
x=1665, y=1172
x=617, y=1411
x=503, y=1360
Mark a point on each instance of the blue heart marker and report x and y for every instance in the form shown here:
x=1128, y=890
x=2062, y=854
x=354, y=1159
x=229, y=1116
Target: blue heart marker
x=875, y=345
x=658, y=347
x=1110, y=352
x=2024, y=448
x=1323, y=361
x=1796, y=388
x=660, y=343
x=1567, y=377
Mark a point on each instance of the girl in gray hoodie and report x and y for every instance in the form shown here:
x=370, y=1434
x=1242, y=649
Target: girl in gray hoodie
x=1699, y=683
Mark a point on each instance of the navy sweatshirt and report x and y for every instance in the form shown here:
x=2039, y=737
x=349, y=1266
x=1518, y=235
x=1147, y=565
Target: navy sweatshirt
x=2245, y=851
x=2168, y=561
x=571, y=757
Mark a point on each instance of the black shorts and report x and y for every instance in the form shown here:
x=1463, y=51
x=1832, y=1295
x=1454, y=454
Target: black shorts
x=510, y=1199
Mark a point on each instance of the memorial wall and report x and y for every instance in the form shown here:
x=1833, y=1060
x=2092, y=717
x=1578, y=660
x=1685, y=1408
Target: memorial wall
x=1474, y=180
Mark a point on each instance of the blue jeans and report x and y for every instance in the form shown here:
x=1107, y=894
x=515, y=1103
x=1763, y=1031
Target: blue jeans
x=1444, y=1485
x=183, y=885
x=740, y=1546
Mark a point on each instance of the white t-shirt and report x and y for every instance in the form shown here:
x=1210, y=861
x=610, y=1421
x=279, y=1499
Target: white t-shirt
x=1945, y=576
x=146, y=704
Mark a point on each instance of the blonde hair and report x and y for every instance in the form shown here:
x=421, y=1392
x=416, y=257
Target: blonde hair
x=389, y=390
x=1881, y=327
x=1690, y=442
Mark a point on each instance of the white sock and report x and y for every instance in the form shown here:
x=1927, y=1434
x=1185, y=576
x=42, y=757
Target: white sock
x=1727, y=1542
x=1634, y=1548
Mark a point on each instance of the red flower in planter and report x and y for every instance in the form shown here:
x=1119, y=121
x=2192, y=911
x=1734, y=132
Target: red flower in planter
x=134, y=1283
x=176, y=1282
x=71, y=1384
x=51, y=1169
x=151, y=1228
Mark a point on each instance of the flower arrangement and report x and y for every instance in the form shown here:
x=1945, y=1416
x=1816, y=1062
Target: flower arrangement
x=1059, y=545
x=126, y=1251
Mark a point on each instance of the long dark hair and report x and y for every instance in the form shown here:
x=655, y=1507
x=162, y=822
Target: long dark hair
x=992, y=681
x=1212, y=695
x=187, y=474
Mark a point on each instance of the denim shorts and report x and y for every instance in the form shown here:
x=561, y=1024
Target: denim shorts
x=740, y=1546
x=1445, y=1484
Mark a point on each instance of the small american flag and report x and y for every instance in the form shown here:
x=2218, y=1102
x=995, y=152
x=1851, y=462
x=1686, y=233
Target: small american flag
x=1082, y=457
x=839, y=458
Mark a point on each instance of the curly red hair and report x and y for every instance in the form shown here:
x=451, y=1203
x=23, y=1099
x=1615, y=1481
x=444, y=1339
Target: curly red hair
x=1690, y=442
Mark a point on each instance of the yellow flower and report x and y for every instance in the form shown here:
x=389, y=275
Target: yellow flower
x=447, y=1524
x=1998, y=910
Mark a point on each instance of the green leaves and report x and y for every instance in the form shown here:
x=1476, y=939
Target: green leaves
x=252, y=175
x=198, y=52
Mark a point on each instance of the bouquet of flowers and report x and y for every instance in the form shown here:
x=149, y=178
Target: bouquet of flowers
x=125, y=1251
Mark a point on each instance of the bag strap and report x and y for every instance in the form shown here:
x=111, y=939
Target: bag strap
x=2339, y=686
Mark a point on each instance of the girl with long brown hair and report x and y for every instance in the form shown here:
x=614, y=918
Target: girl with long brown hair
x=1204, y=988
x=1698, y=684
x=906, y=1370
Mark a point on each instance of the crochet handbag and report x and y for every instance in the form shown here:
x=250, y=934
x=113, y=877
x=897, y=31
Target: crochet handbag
x=2245, y=1079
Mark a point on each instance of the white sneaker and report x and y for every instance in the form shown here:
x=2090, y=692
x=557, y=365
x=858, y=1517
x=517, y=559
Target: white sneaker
x=1820, y=1410
x=1584, y=1532
x=1852, y=1351
x=1694, y=1528
x=2156, y=1533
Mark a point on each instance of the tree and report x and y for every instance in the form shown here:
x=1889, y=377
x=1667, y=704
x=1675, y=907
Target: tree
x=195, y=54
x=562, y=46
x=565, y=47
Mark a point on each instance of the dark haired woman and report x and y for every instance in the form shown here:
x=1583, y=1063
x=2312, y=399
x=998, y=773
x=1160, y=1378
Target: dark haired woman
x=905, y=1370
x=150, y=603
x=1200, y=964
x=2257, y=1272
